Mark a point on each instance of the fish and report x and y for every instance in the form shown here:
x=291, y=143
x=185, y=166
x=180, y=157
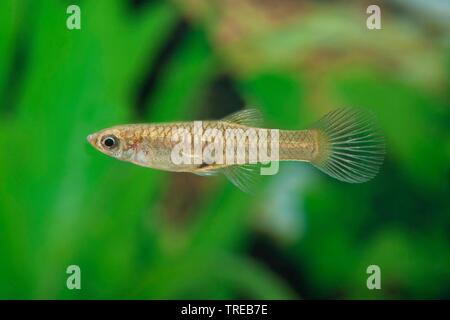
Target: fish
x=346, y=144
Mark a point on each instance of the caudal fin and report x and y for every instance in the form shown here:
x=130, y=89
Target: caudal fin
x=351, y=148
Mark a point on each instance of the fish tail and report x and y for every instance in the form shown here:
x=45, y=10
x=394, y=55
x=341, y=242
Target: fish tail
x=350, y=146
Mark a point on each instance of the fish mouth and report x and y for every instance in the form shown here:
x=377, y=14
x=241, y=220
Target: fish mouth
x=91, y=139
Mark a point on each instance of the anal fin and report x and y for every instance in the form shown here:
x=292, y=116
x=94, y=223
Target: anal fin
x=246, y=177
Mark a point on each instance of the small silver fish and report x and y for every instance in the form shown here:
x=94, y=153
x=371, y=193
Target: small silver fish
x=344, y=144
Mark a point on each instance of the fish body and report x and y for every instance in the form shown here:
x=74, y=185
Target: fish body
x=345, y=144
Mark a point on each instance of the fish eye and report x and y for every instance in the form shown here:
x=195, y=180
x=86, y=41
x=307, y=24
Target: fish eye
x=110, y=142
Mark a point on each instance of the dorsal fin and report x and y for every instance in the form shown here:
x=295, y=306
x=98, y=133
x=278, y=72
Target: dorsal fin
x=246, y=117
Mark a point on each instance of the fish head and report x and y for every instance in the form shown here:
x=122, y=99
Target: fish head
x=116, y=142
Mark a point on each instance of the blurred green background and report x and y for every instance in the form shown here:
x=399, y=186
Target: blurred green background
x=141, y=233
